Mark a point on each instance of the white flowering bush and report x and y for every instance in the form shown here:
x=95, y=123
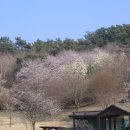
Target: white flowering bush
x=78, y=67
x=101, y=59
x=67, y=62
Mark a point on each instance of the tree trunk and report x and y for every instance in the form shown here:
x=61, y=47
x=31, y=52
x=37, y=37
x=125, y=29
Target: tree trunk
x=33, y=125
x=77, y=107
x=10, y=117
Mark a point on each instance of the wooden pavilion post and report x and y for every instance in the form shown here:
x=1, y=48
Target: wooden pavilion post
x=109, y=123
x=115, y=124
x=129, y=122
x=73, y=122
x=98, y=123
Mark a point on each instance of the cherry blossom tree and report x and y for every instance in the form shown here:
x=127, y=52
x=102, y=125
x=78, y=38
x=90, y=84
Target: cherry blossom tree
x=34, y=104
x=68, y=71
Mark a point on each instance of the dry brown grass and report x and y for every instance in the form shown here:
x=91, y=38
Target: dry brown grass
x=18, y=124
x=60, y=120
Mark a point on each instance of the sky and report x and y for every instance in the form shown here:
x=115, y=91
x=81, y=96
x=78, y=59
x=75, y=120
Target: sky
x=50, y=19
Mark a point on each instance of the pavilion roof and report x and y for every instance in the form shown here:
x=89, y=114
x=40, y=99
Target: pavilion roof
x=113, y=110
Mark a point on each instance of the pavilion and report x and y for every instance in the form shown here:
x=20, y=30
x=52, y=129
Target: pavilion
x=114, y=117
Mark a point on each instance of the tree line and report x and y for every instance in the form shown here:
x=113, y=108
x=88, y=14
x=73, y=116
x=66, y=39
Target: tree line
x=119, y=34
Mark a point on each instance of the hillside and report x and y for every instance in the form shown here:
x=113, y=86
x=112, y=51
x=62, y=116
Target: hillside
x=45, y=77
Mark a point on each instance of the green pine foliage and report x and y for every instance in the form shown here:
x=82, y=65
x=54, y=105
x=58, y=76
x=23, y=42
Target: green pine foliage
x=119, y=34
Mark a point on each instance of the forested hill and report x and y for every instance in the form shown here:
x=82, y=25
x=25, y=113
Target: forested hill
x=119, y=34
x=73, y=72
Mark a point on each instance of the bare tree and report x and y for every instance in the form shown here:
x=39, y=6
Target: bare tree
x=75, y=89
x=6, y=102
x=6, y=64
x=71, y=90
x=106, y=88
x=3, y=97
x=34, y=105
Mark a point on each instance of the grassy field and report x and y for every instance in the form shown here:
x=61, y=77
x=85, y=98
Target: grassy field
x=19, y=124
